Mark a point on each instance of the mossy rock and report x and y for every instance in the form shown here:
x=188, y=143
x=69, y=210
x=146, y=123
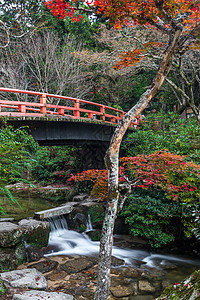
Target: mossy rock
x=36, y=232
x=189, y=289
x=3, y=288
x=97, y=214
x=10, y=258
x=10, y=234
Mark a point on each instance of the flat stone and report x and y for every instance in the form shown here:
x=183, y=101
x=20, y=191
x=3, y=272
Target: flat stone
x=10, y=234
x=37, y=295
x=27, y=278
x=53, y=212
x=146, y=286
x=77, y=265
x=44, y=266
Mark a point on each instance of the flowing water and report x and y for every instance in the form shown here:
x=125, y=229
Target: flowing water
x=69, y=242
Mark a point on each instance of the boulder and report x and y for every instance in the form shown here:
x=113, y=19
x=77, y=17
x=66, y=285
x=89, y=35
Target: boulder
x=119, y=288
x=187, y=289
x=36, y=232
x=146, y=286
x=27, y=278
x=6, y=219
x=10, y=234
x=115, y=262
x=38, y=295
x=10, y=258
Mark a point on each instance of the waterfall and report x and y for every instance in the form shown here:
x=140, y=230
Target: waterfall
x=58, y=224
x=70, y=242
x=89, y=224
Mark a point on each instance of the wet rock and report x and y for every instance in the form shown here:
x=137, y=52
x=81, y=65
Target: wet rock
x=168, y=266
x=10, y=234
x=152, y=274
x=80, y=219
x=116, y=261
x=80, y=198
x=27, y=278
x=188, y=289
x=77, y=265
x=166, y=283
x=146, y=286
x=36, y=232
x=119, y=288
x=10, y=258
x=38, y=295
x=44, y=266
x=126, y=272
x=34, y=253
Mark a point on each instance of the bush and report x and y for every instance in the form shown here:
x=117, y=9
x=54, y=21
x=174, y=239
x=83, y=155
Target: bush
x=54, y=163
x=153, y=216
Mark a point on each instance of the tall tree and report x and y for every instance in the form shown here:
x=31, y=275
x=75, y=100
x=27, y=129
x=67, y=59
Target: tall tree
x=180, y=21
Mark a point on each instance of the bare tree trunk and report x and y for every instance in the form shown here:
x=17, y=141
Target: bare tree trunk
x=111, y=160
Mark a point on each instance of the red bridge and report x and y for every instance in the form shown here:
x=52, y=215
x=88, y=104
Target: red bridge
x=76, y=121
x=75, y=108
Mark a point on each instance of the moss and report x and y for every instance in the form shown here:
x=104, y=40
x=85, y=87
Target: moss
x=189, y=289
x=2, y=288
x=38, y=236
x=97, y=214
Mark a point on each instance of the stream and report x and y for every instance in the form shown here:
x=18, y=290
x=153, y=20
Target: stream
x=68, y=242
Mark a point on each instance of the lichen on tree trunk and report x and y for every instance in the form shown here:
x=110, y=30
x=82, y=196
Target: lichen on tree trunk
x=111, y=160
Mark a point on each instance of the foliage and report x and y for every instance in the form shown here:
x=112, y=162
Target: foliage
x=84, y=32
x=153, y=216
x=15, y=157
x=161, y=171
x=179, y=136
x=97, y=214
x=54, y=163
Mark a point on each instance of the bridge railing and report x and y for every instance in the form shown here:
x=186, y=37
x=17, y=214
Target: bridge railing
x=75, y=108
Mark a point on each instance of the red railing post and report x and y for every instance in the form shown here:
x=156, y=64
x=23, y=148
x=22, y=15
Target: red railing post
x=122, y=115
x=22, y=108
x=61, y=111
x=113, y=119
x=102, y=110
x=43, y=100
x=76, y=109
x=90, y=115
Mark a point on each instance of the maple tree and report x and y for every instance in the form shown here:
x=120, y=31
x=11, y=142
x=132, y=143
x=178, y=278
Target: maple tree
x=160, y=171
x=180, y=21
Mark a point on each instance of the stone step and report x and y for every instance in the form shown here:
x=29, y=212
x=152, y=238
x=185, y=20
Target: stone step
x=53, y=212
